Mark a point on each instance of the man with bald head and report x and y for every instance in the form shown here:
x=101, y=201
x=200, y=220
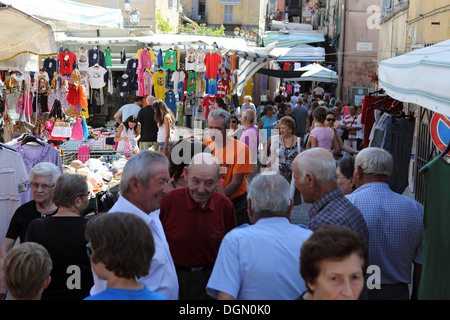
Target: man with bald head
x=195, y=219
x=314, y=171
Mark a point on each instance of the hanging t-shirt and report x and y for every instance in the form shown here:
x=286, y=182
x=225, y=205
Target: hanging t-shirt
x=191, y=58
x=145, y=84
x=160, y=59
x=177, y=76
x=211, y=85
x=83, y=60
x=124, y=86
x=170, y=59
x=212, y=62
x=66, y=60
x=96, y=77
x=159, y=82
x=189, y=101
x=435, y=281
x=208, y=104
x=169, y=81
x=192, y=81
x=132, y=66
x=50, y=67
x=41, y=81
x=96, y=56
x=108, y=57
x=199, y=109
x=223, y=88
x=171, y=101
x=200, y=61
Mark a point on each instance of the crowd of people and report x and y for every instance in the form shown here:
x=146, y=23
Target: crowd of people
x=211, y=219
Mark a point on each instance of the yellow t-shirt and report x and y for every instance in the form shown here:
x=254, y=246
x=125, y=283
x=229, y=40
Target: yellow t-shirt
x=159, y=84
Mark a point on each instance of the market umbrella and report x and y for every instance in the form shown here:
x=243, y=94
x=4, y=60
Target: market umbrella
x=23, y=36
x=421, y=77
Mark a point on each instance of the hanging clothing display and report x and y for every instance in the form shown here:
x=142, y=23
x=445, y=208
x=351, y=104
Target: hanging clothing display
x=132, y=66
x=435, y=281
x=125, y=84
x=212, y=62
x=108, y=57
x=192, y=81
x=145, y=83
x=191, y=58
x=97, y=76
x=145, y=61
x=49, y=66
x=13, y=178
x=123, y=56
x=200, y=61
x=170, y=59
x=159, y=84
x=66, y=60
x=96, y=56
x=83, y=60
x=169, y=81
x=208, y=104
x=171, y=101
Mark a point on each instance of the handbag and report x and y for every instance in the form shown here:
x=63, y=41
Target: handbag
x=174, y=136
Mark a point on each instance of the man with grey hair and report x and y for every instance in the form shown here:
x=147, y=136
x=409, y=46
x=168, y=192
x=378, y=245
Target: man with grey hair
x=195, y=219
x=394, y=222
x=315, y=177
x=143, y=184
x=235, y=161
x=250, y=137
x=149, y=127
x=262, y=261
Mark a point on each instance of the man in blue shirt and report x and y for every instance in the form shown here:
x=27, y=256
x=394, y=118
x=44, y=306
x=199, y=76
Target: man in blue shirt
x=301, y=117
x=395, y=226
x=261, y=261
x=131, y=109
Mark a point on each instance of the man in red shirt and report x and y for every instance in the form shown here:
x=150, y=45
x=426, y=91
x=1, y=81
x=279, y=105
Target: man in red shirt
x=195, y=219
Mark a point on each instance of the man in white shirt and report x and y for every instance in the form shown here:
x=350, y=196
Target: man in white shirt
x=131, y=109
x=144, y=182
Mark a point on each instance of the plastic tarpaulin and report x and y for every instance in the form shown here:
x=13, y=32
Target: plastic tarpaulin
x=315, y=72
x=65, y=14
x=420, y=77
x=22, y=38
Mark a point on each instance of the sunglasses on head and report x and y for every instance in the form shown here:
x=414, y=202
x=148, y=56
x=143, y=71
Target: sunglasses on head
x=331, y=120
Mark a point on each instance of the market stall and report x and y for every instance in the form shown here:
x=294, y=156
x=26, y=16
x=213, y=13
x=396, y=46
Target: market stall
x=421, y=77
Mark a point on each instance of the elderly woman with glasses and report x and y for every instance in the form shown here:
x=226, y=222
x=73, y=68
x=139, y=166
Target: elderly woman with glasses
x=234, y=130
x=42, y=178
x=63, y=235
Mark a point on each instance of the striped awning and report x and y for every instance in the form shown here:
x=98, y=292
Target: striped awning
x=292, y=39
x=301, y=52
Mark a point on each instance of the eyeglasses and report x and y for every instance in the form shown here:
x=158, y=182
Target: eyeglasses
x=42, y=185
x=87, y=194
x=331, y=120
x=88, y=249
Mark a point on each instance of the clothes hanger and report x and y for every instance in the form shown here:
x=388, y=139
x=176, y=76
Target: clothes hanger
x=31, y=138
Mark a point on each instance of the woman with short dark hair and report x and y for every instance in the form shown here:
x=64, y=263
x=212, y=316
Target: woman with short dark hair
x=333, y=262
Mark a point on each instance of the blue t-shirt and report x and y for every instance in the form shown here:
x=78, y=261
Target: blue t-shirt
x=267, y=127
x=126, y=294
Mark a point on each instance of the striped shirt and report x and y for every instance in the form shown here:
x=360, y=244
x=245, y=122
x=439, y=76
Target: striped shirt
x=350, y=121
x=395, y=230
x=333, y=208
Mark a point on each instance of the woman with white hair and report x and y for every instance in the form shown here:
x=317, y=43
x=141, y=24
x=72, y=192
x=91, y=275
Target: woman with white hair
x=42, y=178
x=247, y=105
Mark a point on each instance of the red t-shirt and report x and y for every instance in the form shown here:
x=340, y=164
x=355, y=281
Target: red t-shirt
x=66, y=60
x=212, y=62
x=194, y=234
x=208, y=103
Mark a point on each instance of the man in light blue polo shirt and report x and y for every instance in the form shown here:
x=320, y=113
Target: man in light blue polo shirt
x=131, y=109
x=261, y=261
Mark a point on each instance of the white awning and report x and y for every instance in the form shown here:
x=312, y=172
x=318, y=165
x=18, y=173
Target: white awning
x=315, y=72
x=66, y=14
x=22, y=38
x=421, y=77
x=301, y=52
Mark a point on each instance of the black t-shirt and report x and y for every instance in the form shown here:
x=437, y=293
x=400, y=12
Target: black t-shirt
x=21, y=219
x=149, y=128
x=64, y=239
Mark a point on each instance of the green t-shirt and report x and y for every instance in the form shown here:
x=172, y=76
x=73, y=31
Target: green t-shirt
x=435, y=281
x=192, y=81
x=170, y=60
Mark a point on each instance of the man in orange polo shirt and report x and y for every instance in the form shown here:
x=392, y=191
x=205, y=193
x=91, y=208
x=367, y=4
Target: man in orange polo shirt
x=235, y=162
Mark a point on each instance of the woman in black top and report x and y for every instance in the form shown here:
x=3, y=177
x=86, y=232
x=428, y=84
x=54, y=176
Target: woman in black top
x=63, y=236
